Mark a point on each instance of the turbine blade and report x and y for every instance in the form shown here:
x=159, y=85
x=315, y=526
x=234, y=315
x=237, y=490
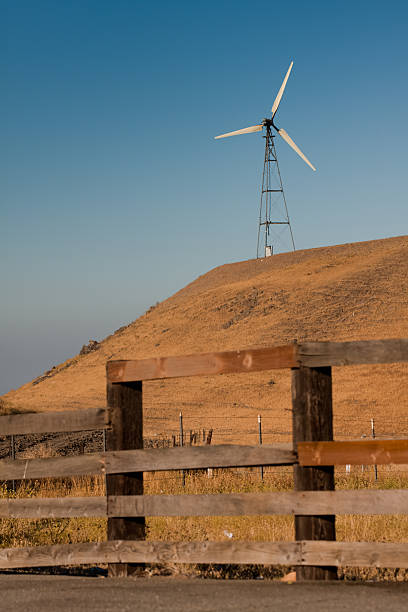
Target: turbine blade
x=248, y=130
x=290, y=142
x=280, y=92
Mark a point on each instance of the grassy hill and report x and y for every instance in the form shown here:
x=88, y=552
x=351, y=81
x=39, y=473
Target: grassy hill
x=347, y=292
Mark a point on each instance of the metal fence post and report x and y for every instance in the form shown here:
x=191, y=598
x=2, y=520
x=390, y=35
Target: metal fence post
x=13, y=456
x=373, y=437
x=260, y=442
x=104, y=450
x=183, y=474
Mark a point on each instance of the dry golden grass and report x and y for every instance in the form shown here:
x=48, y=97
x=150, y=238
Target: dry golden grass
x=24, y=532
x=27, y=532
x=382, y=528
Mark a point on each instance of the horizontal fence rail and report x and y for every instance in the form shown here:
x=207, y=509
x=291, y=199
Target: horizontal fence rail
x=53, y=507
x=309, y=553
x=51, y=422
x=317, y=354
x=311, y=354
x=363, y=452
x=360, y=452
x=278, y=503
x=373, y=502
x=205, y=364
x=147, y=460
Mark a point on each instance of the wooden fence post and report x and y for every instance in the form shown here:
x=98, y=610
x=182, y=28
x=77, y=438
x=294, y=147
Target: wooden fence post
x=313, y=421
x=125, y=410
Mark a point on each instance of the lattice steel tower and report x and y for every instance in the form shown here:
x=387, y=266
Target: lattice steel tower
x=274, y=223
x=273, y=214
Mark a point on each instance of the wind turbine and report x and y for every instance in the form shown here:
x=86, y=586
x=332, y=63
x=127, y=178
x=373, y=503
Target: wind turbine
x=270, y=176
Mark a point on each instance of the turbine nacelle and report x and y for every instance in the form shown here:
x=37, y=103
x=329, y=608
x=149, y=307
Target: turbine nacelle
x=268, y=123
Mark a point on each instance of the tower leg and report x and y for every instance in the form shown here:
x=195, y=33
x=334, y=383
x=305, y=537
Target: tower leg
x=273, y=209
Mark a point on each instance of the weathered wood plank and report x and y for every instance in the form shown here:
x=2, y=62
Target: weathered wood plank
x=147, y=460
x=315, y=354
x=369, y=502
x=23, y=469
x=312, y=354
x=360, y=452
x=190, y=457
x=50, y=422
x=194, y=457
x=53, y=507
x=355, y=554
x=204, y=364
x=283, y=502
x=139, y=551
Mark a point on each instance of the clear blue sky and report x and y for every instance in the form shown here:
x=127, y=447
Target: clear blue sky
x=114, y=193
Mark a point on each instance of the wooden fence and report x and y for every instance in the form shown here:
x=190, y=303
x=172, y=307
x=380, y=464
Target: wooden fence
x=316, y=553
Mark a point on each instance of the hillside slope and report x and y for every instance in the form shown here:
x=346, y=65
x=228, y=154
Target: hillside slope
x=347, y=292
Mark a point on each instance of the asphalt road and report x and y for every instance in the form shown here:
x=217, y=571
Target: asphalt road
x=54, y=593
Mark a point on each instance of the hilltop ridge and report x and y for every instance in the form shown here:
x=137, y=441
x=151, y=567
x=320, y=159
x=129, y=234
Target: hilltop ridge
x=346, y=292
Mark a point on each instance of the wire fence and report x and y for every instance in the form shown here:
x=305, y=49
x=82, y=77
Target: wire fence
x=193, y=430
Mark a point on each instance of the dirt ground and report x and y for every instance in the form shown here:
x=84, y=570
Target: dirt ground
x=50, y=593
